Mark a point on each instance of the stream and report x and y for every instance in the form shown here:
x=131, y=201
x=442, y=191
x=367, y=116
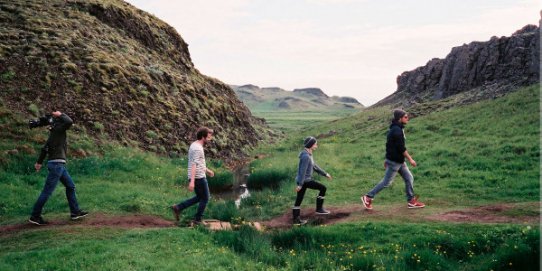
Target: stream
x=239, y=190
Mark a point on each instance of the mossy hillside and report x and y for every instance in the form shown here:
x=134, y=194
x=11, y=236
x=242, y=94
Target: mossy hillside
x=118, y=72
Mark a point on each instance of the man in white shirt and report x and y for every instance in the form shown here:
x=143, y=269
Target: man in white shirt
x=197, y=170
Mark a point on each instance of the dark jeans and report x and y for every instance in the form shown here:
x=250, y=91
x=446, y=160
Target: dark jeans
x=392, y=168
x=57, y=171
x=201, y=188
x=312, y=185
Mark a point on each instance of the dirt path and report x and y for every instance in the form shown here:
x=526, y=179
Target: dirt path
x=500, y=213
x=528, y=213
x=97, y=220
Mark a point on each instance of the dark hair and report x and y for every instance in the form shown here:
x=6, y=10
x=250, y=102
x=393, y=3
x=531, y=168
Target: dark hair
x=203, y=132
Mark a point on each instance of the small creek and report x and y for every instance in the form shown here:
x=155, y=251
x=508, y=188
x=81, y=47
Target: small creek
x=239, y=190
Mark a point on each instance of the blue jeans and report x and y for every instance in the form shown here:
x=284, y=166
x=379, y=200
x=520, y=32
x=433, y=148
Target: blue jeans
x=201, y=188
x=391, y=170
x=57, y=172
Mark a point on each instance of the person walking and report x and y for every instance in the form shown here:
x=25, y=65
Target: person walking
x=396, y=152
x=55, y=149
x=304, y=180
x=197, y=169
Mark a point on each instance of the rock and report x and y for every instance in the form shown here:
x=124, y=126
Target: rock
x=504, y=63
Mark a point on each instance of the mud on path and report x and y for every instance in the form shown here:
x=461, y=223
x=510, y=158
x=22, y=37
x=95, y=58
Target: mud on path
x=519, y=213
x=499, y=213
x=97, y=220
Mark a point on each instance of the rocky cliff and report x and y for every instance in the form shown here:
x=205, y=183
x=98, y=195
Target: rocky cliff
x=121, y=73
x=491, y=68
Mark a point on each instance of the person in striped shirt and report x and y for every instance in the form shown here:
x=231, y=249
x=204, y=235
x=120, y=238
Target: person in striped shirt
x=197, y=176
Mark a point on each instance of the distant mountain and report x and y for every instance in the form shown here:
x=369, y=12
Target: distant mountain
x=478, y=70
x=302, y=99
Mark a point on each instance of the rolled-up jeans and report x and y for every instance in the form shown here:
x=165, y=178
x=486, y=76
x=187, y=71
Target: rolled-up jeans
x=201, y=188
x=57, y=172
x=391, y=170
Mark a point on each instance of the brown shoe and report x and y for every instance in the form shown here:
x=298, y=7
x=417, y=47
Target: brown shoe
x=176, y=212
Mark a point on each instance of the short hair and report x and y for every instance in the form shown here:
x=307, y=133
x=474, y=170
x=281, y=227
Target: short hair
x=203, y=132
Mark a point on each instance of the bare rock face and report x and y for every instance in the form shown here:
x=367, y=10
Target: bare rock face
x=498, y=65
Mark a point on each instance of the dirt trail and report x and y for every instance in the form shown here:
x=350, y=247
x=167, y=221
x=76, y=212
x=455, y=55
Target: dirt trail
x=97, y=220
x=499, y=213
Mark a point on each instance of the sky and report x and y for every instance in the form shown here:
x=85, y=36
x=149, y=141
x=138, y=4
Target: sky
x=354, y=48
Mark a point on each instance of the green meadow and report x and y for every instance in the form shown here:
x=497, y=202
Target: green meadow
x=288, y=121
x=485, y=154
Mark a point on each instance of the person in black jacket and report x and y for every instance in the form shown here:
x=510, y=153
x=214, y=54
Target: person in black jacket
x=55, y=149
x=396, y=153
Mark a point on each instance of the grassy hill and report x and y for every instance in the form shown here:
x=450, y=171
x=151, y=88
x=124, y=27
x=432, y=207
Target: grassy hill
x=482, y=154
x=289, y=110
x=119, y=72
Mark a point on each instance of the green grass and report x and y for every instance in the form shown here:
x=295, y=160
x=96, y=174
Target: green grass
x=467, y=156
x=290, y=121
x=480, y=154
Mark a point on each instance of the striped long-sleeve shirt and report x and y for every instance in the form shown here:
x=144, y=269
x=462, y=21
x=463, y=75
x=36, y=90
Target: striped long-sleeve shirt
x=196, y=156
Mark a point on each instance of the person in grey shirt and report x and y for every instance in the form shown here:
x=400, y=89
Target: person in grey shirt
x=197, y=176
x=304, y=180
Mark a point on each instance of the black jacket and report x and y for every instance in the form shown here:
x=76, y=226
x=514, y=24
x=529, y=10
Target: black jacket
x=56, y=145
x=395, y=143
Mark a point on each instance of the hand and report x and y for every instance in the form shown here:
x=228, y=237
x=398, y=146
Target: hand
x=328, y=176
x=37, y=167
x=57, y=114
x=211, y=173
x=412, y=162
x=191, y=186
x=297, y=188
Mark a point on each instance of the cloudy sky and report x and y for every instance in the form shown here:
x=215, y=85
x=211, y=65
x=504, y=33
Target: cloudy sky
x=353, y=48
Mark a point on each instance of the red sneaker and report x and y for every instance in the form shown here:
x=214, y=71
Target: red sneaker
x=367, y=202
x=414, y=203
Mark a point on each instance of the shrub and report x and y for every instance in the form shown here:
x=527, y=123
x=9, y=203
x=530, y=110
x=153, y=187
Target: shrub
x=7, y=76
x=151, y=134
x=98, y=126
x=267, y=178
x=34, y=109
x=222, y=180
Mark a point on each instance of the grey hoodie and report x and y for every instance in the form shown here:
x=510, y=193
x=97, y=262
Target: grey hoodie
x=306, y=167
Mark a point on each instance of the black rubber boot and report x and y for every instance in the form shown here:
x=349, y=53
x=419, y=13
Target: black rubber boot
x=296, y=219
x=320, y=207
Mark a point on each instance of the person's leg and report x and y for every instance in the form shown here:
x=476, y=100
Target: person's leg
x=300, y=195
x=50, y=184
x=321, y=196
x=67, y=181
x=202, y=191
x=296, y=210
x=391, y=171
x=412, y=201
x=188, y=202
x=409, y=181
